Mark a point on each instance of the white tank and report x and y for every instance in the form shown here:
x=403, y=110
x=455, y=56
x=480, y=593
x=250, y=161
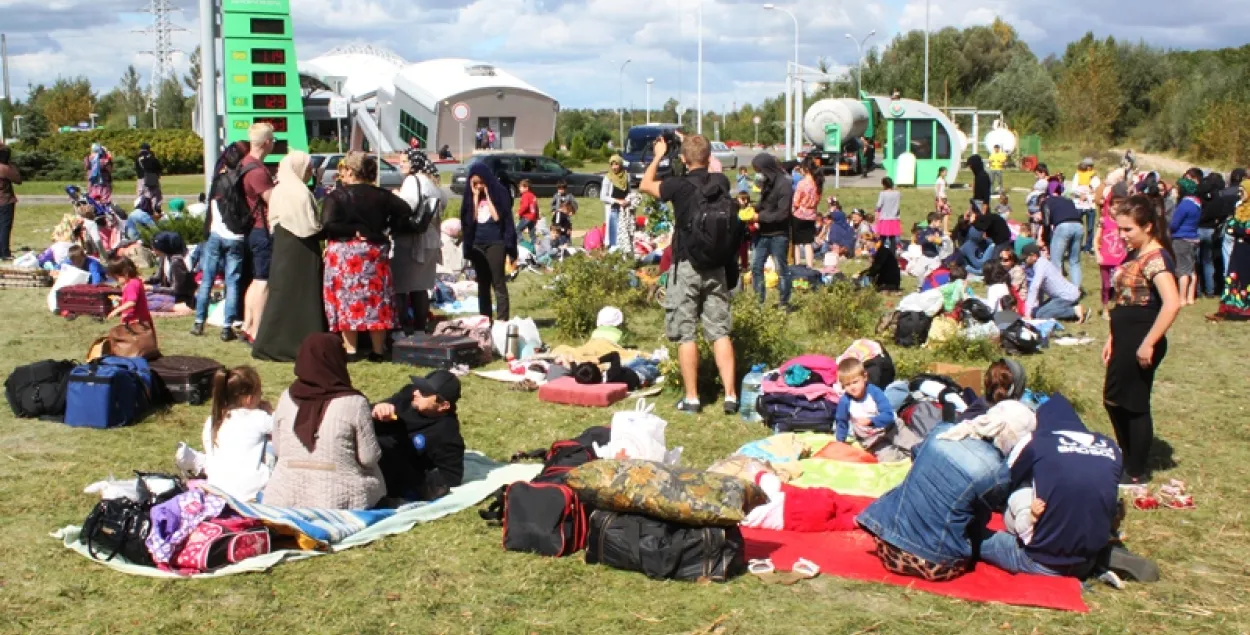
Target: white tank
x=962, y=138
x=1000, y=136
x=850, y=114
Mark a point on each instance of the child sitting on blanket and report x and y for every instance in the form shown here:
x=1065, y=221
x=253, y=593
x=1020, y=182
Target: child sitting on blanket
x=237, y=458
x=419, y=433
x=865, y=412
x=1023, y=510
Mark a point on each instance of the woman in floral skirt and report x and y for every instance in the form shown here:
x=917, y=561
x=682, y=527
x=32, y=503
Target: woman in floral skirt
x=357, y=282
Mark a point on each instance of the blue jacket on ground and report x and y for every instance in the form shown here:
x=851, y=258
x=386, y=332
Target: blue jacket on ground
x=885, y=412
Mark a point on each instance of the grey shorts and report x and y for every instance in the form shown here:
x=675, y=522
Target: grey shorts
x=1186, y=253
x=693, y=296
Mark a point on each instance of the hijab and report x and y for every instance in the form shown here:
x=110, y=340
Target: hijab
x=420, y=163
x=1005, y=426
x=619, y=180
x=1187, y=186
x=291, y=205
x=320, y=377
x=169, y=243
x=841, y=232
x=498, y=194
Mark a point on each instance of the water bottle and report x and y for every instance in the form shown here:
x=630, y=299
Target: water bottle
x=750, y=393
x=512, y=343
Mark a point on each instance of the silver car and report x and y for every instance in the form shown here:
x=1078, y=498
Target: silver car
x=389, y=175
x=727, y=156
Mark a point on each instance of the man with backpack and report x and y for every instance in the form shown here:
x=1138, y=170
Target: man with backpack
x=226, y=225
x=148, y=174
x=705, y=264
x=257, y=186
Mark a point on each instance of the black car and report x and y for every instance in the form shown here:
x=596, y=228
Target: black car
x=543, y=174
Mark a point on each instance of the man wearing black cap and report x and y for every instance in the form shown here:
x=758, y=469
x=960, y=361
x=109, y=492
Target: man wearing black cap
x=148, y=173
x=419, y=432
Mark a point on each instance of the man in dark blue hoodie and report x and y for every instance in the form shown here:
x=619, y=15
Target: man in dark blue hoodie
x=1076, y=474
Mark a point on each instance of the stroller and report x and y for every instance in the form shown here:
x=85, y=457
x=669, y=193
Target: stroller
x=106, y=233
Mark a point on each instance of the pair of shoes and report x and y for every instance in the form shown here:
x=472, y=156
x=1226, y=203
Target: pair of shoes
x=197, y=329
x=731, y=406
x=376, y=358
x=689, y=407
x=1174, y=496
x=227, y=334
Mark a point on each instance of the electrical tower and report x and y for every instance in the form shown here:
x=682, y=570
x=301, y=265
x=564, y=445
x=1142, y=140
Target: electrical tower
x=162, y=30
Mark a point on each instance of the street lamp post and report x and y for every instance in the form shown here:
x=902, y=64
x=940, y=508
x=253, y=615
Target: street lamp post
x=620, y=101
x=650, y=81
x=859, y=73
x=790, y=114
x=926, y=51
x=698, y=98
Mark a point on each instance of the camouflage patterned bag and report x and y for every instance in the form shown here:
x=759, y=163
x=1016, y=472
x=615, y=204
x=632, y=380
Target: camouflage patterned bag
x=674, y=494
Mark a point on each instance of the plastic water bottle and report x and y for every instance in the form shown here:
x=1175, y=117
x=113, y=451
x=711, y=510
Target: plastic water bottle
x=750, y=393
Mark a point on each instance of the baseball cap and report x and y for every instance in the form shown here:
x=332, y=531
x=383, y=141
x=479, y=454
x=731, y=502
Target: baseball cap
x=1087, y=162
x=145, y=146
x=1031, y=249
x=441, y=383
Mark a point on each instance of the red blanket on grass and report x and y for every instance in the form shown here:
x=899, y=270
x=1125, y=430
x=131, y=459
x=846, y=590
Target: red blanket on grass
x=852, y=554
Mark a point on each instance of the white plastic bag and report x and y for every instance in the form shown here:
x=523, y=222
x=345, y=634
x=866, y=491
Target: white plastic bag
x=27, y=260
x=70, y=275
x=639, y=434
x=929, y=302
x=527, y=332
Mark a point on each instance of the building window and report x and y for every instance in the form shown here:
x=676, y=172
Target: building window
x=410, y=128
x=943, y=143
x=922, y=138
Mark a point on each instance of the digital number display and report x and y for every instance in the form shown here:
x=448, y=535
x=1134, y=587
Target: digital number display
x=268, y=26
x=278, y=123
x=269, y=102
x=268, y=56
x=268, y=78
x=281, y=146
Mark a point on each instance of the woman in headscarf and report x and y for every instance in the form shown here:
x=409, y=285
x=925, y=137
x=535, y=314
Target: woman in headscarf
x=612, y=192
x=99, y=168
x=328, y=455
x=1235, y=303
x=416, y=255
x=294, y=310
x=173, y=284
x=923, y=526
x=774, y=209
x=841, y=233
x=357, y=287
x=489, y=237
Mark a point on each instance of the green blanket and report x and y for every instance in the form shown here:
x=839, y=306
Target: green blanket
x=855, y=479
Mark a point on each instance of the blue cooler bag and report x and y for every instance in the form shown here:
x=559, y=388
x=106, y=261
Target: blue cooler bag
x=109, y=392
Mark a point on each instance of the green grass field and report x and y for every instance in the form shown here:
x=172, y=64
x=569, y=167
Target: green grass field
x=452, y=576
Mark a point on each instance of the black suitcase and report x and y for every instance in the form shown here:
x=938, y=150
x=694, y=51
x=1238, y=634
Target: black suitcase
x=664, y=550
x=188, y=379
x=436, y=351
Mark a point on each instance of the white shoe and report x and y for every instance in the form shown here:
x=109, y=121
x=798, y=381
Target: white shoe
x=188, y=461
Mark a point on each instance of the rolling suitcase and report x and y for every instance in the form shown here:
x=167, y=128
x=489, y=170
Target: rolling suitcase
x=95, y=300
x=436, y=351
x=188, y=379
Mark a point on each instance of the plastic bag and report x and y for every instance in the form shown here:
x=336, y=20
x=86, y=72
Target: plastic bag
x=527, y=333
x=639, y=434
x=70, y=275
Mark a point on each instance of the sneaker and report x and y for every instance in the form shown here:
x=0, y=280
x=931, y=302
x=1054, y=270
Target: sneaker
x=731, y=406
x=227, y=334
x=197, y=329
x=689, y=407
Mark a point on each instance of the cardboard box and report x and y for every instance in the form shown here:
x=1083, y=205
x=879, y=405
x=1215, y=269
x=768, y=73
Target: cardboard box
x=966, y=376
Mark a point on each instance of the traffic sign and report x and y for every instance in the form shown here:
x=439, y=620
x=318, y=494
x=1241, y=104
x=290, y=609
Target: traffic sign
x=755, y=120
x=338, y=107
x=460, y=111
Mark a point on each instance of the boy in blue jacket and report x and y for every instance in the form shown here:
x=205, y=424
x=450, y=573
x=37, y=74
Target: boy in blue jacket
x=865, y=411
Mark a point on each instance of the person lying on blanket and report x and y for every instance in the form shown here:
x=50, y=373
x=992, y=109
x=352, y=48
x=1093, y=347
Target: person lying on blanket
x=419, y=431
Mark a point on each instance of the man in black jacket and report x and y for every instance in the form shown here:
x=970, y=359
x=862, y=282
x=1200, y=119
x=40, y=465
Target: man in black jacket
x=995, y=236
x=980, y=182
x=419, y=432
x=774, y=211
x=148, y=173
x=1218, y=204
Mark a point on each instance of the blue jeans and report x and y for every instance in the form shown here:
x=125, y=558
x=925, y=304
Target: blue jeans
x=1055, y=309
x=613, y=220
x=1089, y=218
x=996, y=181
x=1004, y=551
x=1066, y=238
x=778, y=247
x=524, y=224
x=976, y=258
x=136, y=219
x=1207, y=253
x=218, y=254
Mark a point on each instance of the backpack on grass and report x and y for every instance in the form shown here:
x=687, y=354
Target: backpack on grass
x=38, y=389
x=913, y=329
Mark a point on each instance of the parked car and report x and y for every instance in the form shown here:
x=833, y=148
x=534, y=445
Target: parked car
x=638, y=153
x=389, y=175
x=542, y=172
x=726, y=155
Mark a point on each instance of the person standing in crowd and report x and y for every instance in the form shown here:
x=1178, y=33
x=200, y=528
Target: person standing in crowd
x=416, y=256
x=9, y=176
x=98, y=165
x=257, y=188
x=221, y=252
x=889, y=225
x=980, y=182
x=1085, y=185
x=527, y=211
x=1111, y=248
x=1184, y=232
x=696, y=294
x=870, y=156
x=357, y=285
x=328, y=454
x=612, y=193
x=1213, y=249
x=148, y=175
x=1065, y=233
x=941, y=204
x=774, y=211
x=489, y=238
x=1147, y=303
x=294, y=310
x=491, y=138
x=1235, y=303
x=805, y=204
x=1050, y=296
x=998, y=161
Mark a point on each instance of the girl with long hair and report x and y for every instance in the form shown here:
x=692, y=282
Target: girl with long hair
x=236, y=434
x=806, y=200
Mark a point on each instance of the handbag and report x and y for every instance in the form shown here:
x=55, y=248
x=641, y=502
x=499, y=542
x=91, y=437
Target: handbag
x=136, y=339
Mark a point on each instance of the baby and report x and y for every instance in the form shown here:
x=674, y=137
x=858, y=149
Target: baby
x=865, y=412
x=1023, y=510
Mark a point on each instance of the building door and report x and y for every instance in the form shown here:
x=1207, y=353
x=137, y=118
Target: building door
x=507, y=133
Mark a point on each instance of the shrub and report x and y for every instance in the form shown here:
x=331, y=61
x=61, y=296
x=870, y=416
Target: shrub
x=551, y=150
x=583, y=285
x=323, y=146
x=180, y=151
x=960, y=349
x=189, y=227
x=842, y=308
x=760, y=335
x=41, y=165
x=1047, y=381
x=578, y=150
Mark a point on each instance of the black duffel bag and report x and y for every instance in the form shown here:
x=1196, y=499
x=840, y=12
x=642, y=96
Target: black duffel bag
x=662, y=550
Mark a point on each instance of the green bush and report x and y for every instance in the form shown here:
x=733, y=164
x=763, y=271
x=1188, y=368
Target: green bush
x=41, y=165
x=551, y=150
x=760, y=335
x=189, y=227
x=583, y=285
x=578, y=150
x=569, y=162
x=323, y=146
x=960, y=349
x=843, y=308
x=180, y=151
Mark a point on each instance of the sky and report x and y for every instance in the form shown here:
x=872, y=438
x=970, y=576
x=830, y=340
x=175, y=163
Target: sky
x=574, y=49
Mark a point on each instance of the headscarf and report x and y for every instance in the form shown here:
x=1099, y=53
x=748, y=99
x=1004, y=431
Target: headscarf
x=841, y=232
x=93, y=160
x=609, y=316
x=499, y=196
x=291, y=205
x=169, y=243
x=1242, y=214
x=177, y=206
x=620, y=179
x=1004, y=425
x=420, y=163
x=320, y=377
x=1187, y=187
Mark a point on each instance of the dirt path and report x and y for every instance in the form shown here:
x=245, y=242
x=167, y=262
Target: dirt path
x=1167, y=165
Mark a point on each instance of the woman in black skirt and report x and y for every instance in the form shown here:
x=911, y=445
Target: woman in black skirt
x=1146, y=304
x=294, y=310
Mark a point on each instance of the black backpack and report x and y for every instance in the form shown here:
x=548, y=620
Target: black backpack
x=1021, y=338
x=121, y=526
x=912, y=329
x=38, y=389
x=231, y=200
x=418, y=218
x=558, y=460
x=711, y=239
x=977, y=310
